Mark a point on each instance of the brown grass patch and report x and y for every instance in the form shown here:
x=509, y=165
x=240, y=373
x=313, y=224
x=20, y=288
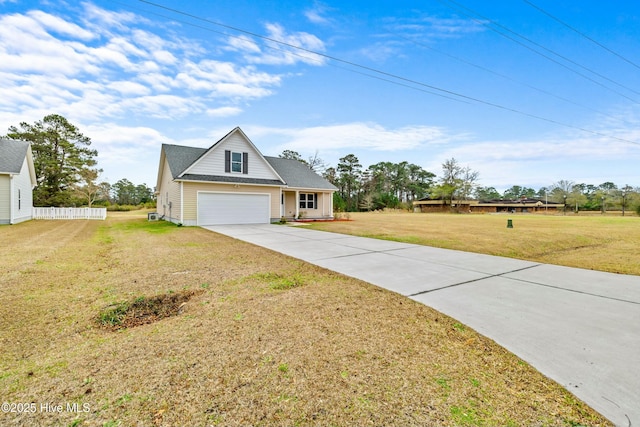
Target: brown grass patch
x=264, y=340
x=596, y=242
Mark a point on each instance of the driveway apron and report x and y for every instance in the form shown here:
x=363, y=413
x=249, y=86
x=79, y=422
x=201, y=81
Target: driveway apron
x=579, y=327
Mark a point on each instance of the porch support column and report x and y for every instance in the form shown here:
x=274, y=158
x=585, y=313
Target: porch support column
x=297, y=202
x=331, y=205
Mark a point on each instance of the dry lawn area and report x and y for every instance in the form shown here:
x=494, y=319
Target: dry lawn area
x=595, y=242
x=262, y=339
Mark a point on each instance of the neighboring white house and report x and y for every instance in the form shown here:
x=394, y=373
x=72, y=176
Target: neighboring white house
x=233, y=183
x=17, y=180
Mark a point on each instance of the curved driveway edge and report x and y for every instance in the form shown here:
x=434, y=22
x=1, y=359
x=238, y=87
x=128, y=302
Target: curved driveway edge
x=578, y=327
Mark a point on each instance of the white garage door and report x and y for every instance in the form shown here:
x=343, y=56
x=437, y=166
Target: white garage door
x=233, y=208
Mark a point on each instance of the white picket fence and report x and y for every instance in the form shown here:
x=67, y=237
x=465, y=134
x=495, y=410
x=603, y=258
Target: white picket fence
x=69, y=213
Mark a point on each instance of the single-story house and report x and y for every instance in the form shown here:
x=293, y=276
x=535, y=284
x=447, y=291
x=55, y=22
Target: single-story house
x=231, y=182
x=524, y=204
x=17, y=181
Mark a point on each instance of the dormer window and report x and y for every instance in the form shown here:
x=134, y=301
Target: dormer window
x=236, y=162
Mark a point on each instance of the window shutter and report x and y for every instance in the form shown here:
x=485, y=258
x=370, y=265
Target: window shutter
x=227, y=161
x=245, y=163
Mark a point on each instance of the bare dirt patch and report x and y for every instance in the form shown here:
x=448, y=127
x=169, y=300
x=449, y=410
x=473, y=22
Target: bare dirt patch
x=263, y=340
x=143, y=310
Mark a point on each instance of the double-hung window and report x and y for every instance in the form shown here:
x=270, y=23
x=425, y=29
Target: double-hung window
x=307, y=200
x=236, y=162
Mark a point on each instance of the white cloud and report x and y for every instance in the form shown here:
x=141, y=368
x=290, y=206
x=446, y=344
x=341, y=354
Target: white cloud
x=243, y=44
x=315, y=17
x=353, y=136
x=540, y=162
x=452, y=27
x=433, y=28
x=129, y=88
x=60, y=26
x=283, y=50
x=120, y=149
x=104, y=21
x=163, y=106
x=100, y=65
x=224, y=111
x=382, y=50
x=317, y=14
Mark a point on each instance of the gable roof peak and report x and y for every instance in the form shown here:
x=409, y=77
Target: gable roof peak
x=236, y=130
x=12, y=155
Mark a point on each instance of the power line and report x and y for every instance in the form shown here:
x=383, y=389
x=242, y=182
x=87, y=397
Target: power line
x=323, y=55
x=384, y=73
x=272, y=47
x=460, y=8
x=582, y=34
x=504, y=76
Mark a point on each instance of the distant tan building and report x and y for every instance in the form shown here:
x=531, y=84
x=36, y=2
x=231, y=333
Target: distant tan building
x=523, y=205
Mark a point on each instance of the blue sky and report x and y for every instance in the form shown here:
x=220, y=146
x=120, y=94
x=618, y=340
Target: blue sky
x=500, y=86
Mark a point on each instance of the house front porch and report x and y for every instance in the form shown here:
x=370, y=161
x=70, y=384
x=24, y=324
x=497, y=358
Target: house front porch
x=306, y=204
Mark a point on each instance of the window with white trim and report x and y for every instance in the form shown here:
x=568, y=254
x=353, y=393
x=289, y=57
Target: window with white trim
x=307, y=200
x=236, y=162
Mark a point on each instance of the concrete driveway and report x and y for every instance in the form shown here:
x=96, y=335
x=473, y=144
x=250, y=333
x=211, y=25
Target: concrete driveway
x=579, y=327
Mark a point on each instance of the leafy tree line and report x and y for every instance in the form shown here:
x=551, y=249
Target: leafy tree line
x=394, y=185
x=67, y=175
x=577, y=197
x=387, y=184
x=66, y=167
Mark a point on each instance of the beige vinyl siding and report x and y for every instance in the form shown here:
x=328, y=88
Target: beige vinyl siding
x=290, y=203
x=212, y=163
x=169, y=191
x=5, y=199
x=323, y=206
x=191, y=197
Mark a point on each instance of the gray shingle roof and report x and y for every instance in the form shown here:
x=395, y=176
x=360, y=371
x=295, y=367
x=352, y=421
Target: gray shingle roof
x=181, y=157
x=230, y=179
x=294, y=173
x=298, y=175
x=12, y=154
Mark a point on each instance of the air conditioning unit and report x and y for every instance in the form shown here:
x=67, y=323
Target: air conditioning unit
x=152, y=216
